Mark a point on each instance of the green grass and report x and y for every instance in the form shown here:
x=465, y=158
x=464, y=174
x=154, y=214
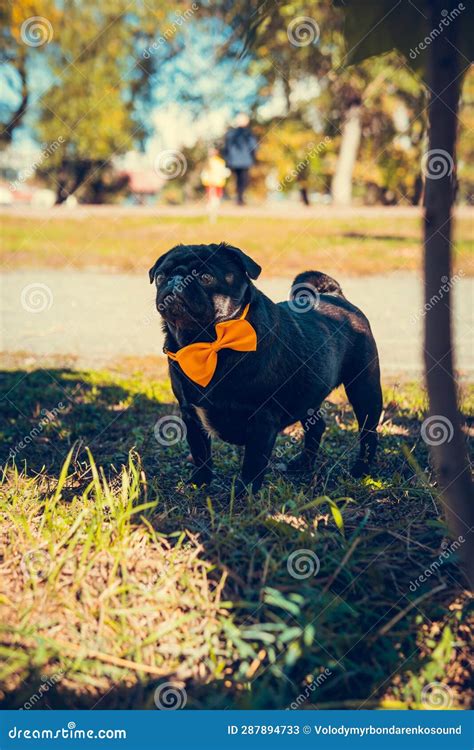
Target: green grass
x=117, y=577
x=357, y=245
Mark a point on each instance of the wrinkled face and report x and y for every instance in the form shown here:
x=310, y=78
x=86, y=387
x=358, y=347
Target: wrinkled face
x=201, y=284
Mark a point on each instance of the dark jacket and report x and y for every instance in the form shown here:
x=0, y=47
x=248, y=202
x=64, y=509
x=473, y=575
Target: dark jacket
x=239, y=148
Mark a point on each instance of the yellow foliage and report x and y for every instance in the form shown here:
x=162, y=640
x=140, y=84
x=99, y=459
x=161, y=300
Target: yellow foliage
x=22, y=10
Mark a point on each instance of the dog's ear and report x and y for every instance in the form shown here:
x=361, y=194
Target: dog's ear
x=251, y=268
x=154, y=269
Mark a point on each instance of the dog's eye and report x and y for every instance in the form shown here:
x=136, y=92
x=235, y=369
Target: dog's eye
x=159, y=278
x=206, y=278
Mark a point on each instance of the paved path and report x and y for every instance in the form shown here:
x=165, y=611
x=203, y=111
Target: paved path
x=270, y=209
x=101, y=316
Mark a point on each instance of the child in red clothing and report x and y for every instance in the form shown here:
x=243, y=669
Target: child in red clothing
x=213, y=177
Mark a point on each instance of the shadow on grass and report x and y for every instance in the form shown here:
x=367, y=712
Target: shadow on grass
x=358, y=629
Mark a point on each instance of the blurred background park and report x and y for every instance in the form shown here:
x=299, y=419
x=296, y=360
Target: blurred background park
x=119, y=124
x=120, y=106
x=116, y=121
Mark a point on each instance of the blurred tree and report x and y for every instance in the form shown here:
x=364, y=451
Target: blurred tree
x=393, y=126
x=99, y=61
x=101, y=102
x=292, y=42
x=188, y=185
x=25, y=27
x=295, y=156
x=301, y=46
x=295, y=46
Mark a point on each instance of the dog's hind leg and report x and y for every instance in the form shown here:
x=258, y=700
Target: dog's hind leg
x=365, y=394
x=314, y=427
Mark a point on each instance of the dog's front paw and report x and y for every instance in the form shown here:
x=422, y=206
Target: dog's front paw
x=360, y=469
x=201, y=475
x=300, y=464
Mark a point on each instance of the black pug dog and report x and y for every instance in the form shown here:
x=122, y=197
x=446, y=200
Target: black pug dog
x=304, y=349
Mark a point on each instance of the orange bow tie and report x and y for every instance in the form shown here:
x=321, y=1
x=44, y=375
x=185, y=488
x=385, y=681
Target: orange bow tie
x=199, y=361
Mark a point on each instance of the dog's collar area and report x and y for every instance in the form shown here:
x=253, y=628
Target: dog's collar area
x=199, y=360
x=242, y=316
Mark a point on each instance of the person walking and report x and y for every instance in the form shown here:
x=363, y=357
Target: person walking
x=239, y=150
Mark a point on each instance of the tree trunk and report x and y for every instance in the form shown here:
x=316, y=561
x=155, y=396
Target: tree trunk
x=443, y=432
x=18, y=115
x=70, y=176
x=341, y=188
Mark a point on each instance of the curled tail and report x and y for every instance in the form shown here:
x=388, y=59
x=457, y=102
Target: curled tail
x=314, y=282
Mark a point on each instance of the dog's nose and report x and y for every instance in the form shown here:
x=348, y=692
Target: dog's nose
x=175, y=281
